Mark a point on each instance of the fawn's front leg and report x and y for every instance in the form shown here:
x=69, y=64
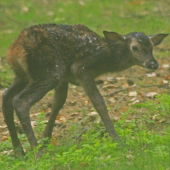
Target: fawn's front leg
x=91, y=90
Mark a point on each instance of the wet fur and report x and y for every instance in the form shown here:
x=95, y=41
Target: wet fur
x=49, y=56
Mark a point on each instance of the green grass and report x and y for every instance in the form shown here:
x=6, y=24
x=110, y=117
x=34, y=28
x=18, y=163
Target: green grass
x=146, y=136
x=144, y=148
x=122, y=16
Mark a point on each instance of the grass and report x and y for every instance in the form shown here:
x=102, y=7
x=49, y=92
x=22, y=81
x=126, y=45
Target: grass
x=146, y=135
x=144, y=147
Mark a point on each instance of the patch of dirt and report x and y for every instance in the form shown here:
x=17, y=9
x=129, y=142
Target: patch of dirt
x=134, y=85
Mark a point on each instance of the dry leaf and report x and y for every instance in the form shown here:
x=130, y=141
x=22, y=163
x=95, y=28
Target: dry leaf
x=164, y=82
x=33, y=124
x=97, y=120
x=25, y=9
x=54, y=142
x=125, y=85
x=2, y=127
x=136, y=101
x=4, y=138
x=133, y=93
x=112, y=100
x=50, y=13
x=130, y=156
x=162, y=120
x=116, y=118
x=109, y=87
x=165, y=65
x=7, y=152
x=81, y=2
x=5, y=133
x=61, y=119
x=151, y=75
x=121, y=78
x=151, y=94
x=124, y=109
x=72, y=103
x=86, y=102
x=167, y=77
x=93, y=113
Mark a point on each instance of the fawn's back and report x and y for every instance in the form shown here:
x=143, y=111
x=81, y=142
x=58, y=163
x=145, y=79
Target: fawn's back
x=41, y=48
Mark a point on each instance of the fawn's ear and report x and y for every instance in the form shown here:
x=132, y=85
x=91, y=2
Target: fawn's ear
x=113, y=36
x=157, y=39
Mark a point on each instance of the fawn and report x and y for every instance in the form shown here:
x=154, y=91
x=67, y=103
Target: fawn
x=49, y=56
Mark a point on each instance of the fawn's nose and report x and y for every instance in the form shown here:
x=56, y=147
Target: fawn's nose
x=152, y=65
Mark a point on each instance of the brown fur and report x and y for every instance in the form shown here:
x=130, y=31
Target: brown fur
x=50, y=56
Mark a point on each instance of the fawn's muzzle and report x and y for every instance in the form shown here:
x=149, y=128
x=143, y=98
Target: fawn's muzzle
x=152, y=64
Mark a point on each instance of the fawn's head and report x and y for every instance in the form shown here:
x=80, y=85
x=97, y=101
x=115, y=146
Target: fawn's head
x=138, y=46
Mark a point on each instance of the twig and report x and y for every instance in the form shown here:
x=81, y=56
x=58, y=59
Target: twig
x=118, y=102
x=145, y=86
x=69, y=165
x=117, y=91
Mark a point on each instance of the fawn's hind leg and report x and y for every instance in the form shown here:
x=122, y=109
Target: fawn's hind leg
x=8, y=112
x=60, y=95
x=26, y=98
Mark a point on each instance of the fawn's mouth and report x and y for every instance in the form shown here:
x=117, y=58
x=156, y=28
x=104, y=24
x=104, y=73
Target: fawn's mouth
x=151, y=65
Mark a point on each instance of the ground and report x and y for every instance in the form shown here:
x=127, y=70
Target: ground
x=120, y=91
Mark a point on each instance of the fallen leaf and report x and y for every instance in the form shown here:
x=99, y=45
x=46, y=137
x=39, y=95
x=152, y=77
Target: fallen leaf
x=74, y=113
x=81, y=2
x=164, y=82
x=50, y=13
x=133, y=99
x=132, y=93
x=154, y=116
x=151, y=75
x=151, y=94
x=4, y=138
x=109, y=156
x=121, y=78
x=97, y=120
x=167, y=77
x=61, y=119
x=125, y=85
x=2, y=127
x=25, y=9
x=33, y=124
x=54, y=142
x=136, y=101
x=116, y=118
x=162, y=120
x=112, y=100
x=7, y=152
x=92, y=113
x=72, y=103
x=130, y=156
x=109, y=87
x=124, y=109
x=165, y=65
x=5, y=133
x=86, y=102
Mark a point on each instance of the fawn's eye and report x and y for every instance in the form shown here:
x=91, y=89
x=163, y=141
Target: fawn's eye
x=135, y=48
